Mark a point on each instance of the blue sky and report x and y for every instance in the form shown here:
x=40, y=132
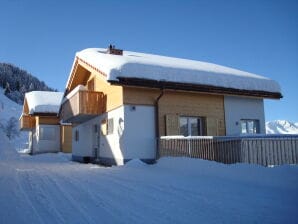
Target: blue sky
x=255, y=36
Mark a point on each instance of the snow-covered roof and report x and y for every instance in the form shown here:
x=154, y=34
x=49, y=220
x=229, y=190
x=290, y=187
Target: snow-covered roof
x=43, y=101
x=162, y=68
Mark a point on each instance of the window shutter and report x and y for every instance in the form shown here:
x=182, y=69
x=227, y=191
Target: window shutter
x=212, y=127
x=172, y=124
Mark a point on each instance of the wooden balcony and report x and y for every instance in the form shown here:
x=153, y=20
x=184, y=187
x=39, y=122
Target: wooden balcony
x=82, y=106
x=27, y=122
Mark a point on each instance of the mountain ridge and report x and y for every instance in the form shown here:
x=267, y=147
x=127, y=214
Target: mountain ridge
x=16, y=82
x=281, y=127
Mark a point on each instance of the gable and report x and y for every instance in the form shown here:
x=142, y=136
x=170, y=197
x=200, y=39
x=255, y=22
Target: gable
x=79, y=76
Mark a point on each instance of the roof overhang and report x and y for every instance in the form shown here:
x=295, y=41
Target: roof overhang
x=138, y=82
x=44, y=114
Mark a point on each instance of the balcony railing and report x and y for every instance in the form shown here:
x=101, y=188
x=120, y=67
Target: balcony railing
x=82, y=106
x=27, y=122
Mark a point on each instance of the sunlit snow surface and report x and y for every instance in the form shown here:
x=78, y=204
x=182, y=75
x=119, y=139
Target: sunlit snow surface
x=162, y=68
x=43, y=101
x=49, y=188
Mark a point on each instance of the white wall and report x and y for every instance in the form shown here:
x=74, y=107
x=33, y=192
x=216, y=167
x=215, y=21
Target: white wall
x=109, y=144
x=40, y=145
x=139, y=134
x=237, y=108
x=83, y=147
x=133, y=135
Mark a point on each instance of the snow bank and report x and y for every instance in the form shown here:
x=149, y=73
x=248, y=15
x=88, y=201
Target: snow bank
x=7, y=151
x=9, y=109
x=161, y=68
x=43, y=101
x=135, y=163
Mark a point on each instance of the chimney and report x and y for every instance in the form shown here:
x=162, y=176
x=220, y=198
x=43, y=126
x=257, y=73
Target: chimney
x=112, y=50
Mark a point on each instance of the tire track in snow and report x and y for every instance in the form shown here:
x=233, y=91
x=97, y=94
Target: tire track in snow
x=68, y=200
x=25, y=193
x=35, y=188
x=98, y=201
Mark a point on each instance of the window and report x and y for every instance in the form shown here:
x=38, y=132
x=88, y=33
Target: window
x=190, y=126
x=77, y=135
x=110, y=126
x=249, y=126
x=47, y=133
x=95, y=128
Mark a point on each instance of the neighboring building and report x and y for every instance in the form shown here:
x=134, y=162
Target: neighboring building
x=40, y=118
x=121, y=102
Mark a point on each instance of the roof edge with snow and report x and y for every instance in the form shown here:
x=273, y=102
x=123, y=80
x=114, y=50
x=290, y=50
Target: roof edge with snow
x=193, y=87
x=44, y=103
x=155, y=71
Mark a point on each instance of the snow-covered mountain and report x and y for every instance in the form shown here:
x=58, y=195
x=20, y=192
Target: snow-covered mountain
x=9, y=109
x=17, y=82
x=281, y=127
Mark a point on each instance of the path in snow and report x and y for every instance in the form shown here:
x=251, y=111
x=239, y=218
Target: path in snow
x=51, y=189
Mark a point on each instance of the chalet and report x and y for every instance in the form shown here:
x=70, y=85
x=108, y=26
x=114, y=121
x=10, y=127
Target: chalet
x=40, y=118
x=121, y=102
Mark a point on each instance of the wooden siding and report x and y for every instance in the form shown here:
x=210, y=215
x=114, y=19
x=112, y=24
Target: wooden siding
x=209, y=107
x=83, y=106
x=25, y=107
x=114, y=94
x=27, y=122
x=140, y=96
x=83, y=74
x=180, y=103
x=79, y=76
x=51, y=120
x=66, y=138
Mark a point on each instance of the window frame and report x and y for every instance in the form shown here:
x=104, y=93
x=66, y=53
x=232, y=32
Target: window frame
x=189, y=126
x=77, y=135
x=256, y=126
x=47, y=133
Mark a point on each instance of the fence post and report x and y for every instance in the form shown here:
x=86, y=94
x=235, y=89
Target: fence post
x=189, y=153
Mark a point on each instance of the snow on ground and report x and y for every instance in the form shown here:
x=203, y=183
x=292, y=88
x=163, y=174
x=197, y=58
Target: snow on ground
x=49, y=188
x=8, y=109
x=281, y=127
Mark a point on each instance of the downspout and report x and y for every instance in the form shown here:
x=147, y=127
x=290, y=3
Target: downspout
x=157, y=122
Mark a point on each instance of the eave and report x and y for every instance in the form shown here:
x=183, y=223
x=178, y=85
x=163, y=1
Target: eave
x=45, y=114
x=149, y=83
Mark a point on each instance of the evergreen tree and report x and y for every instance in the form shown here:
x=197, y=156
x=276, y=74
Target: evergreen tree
x=7, y=89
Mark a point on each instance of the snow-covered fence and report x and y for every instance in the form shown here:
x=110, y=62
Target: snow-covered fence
x=264, y=149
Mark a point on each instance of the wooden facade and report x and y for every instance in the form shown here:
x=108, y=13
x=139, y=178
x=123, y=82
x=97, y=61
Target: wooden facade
x=48, y=120
x=83, y=106
x=27, y=122
x=113, y=94
x=173, y=103
x=66, y=138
